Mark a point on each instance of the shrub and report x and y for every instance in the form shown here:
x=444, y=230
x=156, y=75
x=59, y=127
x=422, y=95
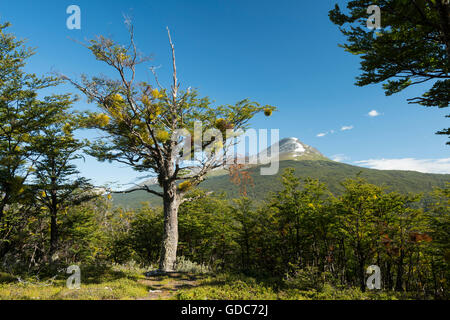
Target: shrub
x=185, y=265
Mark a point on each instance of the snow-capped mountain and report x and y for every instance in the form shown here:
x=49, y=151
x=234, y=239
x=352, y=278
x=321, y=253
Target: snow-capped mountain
x=286, y=149
x=291, y=149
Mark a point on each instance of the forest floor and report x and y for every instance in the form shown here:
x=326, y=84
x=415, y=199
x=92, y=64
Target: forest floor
x=119, y=282
x=109, y=283
x=166, y=286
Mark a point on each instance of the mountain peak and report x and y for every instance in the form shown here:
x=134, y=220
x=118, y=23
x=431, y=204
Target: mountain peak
x=290, y=138
x=292, y=148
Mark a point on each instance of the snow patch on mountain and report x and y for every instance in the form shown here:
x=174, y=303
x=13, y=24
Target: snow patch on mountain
x=290, y=149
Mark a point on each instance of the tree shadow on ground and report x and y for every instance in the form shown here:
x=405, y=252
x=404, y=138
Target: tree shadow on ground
x=97, y=275
x=7, y=278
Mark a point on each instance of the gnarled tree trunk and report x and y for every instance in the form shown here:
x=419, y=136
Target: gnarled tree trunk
x=169, y=244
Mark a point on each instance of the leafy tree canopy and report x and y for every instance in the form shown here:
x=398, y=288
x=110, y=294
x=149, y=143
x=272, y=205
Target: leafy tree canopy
x=412, y=46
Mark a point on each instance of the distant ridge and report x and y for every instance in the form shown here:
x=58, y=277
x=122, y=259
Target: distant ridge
x=288, y=149
x=330, y=172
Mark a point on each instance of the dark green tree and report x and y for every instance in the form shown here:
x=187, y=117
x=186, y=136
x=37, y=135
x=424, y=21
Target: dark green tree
x=244, y=213
x=56, y=176
x=412, y=46
x=206, y=230
x=22, y=115
x=439, y=221
x=358, y=223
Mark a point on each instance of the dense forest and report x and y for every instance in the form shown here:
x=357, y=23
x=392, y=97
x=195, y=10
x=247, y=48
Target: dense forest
x=301, y=238
x=308, y=237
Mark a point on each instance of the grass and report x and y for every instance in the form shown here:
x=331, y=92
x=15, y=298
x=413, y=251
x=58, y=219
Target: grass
x=227, y=287
x=238, y=287
x=96, y=284
x=129, y=282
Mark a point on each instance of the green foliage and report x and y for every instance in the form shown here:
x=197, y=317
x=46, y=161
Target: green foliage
x=97, y=283
x=228, y=287
x=329, y=172
x=55, y=183
x=412, y=47
x=321, y=244
x=206, y=231
x=146, y=234
x=82, y=236
x=302, y=243
x=26, y=122
x=438, y=218
x=140, y=121
x=185, y=265
x=239, y=287
x=309, y=278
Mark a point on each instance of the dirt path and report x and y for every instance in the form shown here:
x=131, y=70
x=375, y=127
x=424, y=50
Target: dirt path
x=166, y=286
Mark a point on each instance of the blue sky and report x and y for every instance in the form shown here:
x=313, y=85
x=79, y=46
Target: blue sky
x=283, y=53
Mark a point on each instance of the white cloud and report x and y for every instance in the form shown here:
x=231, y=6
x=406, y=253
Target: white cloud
x=343, y=128
x=374, y=113
x=339, y=157
x=322, y=134
x=421, y=165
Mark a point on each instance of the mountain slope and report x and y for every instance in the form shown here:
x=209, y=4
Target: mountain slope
x=287, y=149
x=330, y=172
x=291, y=149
